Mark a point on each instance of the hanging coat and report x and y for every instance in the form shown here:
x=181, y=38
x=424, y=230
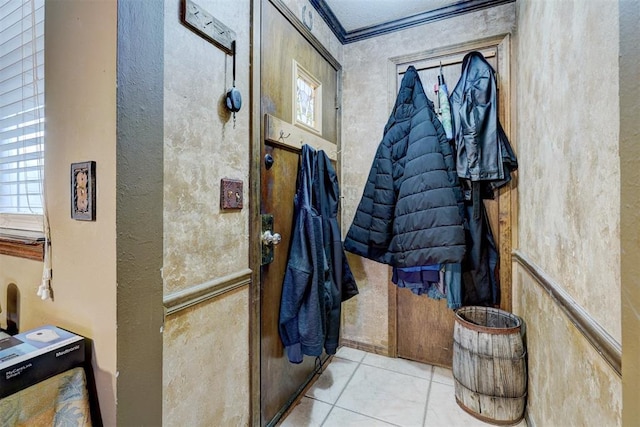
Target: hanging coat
x=483, y=152
x=409, y=213
x=484, y=162
x=317, y=277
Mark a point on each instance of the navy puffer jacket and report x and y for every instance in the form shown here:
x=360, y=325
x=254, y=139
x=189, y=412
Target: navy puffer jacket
x=410, y=211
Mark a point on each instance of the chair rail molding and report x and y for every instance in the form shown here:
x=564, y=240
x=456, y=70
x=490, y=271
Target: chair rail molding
x=193, y=295
x=596, y=335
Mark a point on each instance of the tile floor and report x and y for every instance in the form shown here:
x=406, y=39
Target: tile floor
x=369, y=390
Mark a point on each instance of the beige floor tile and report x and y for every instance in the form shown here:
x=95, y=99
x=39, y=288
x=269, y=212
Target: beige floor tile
x=330, y=384
x=403, y=366
x=352, y=354
x=339, y=417
x=385, y=395
x=308, y=413
x=378, y=396
x=442, y=409
x=442, y=375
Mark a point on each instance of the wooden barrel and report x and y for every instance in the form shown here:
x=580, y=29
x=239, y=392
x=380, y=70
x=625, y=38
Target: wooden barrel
x=489, y=364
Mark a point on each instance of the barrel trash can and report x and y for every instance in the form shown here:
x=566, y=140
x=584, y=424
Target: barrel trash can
x=489, y=364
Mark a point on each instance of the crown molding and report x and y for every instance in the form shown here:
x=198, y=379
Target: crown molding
x=446, y=12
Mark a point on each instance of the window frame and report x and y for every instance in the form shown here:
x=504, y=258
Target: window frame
x=301, y=72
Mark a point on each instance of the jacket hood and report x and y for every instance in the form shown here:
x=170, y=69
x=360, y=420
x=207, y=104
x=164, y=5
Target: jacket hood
x=326, y=189
x=411, y=97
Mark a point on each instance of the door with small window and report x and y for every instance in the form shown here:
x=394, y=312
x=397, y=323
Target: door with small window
x=298, y=93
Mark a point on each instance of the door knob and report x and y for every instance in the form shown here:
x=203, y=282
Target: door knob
x=268, y=161
x=269, y=238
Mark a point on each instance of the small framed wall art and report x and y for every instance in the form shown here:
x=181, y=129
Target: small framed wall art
x=83, y=191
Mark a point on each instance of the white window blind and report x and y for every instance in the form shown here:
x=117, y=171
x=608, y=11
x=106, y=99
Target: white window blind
x=21, y=106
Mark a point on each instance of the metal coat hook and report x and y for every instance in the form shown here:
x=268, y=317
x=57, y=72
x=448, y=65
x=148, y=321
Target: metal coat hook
x=283, y=136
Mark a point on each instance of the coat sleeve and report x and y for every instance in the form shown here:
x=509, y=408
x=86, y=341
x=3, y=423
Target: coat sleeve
x=448, y=155
x=297, y=279
x=370, y=233
x=384, y=200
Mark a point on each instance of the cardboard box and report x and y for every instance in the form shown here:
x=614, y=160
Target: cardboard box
x=30, y=357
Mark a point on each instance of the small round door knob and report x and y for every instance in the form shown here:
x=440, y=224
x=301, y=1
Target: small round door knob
x=268, y=161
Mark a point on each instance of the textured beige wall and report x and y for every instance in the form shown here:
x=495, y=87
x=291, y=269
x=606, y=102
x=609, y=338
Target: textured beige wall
x=365, y=112
x=206, y=347
x=570, y=384
x=201, y=147
x=569, y=201
x=568, y=119
x=206, y=377
x=629, y=13
x=80, y=70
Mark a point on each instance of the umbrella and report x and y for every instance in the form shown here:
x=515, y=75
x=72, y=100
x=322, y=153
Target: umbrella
x=445, y=107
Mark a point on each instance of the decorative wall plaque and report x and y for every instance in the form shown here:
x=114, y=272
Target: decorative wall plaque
x=83, y=191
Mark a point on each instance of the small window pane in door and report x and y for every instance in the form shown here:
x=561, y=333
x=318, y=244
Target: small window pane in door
x=305, y=102
x=307, y=99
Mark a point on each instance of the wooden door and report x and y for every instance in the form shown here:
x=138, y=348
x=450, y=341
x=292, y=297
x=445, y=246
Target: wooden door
x=286, y=46
x=423, y=326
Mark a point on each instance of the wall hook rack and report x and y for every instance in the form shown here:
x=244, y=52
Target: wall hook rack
x=284, y=134
x=208, y=27
x=211, y=29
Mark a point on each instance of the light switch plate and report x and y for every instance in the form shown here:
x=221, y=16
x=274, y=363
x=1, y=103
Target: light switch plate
x=211, y=29
x=231, y=193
